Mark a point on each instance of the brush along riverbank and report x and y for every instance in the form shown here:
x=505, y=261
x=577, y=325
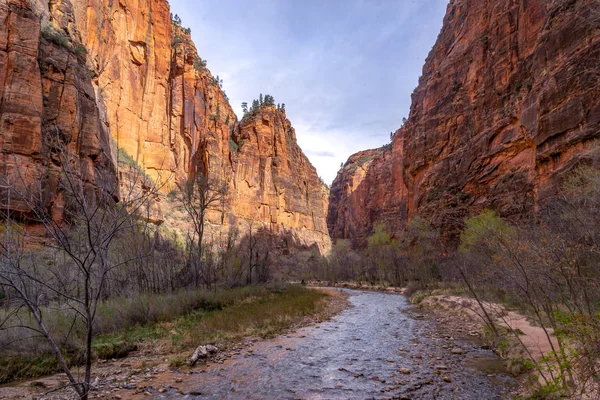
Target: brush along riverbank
x=225, y=319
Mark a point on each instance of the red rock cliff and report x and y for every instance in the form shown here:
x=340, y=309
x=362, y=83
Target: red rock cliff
x=126, y=84
x=46, y=98
x=509, y=99
x=273, y=182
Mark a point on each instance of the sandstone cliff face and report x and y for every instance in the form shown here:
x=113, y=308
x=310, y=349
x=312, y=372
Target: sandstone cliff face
x=274, y=183
x=354, y=205
x=128, y=87
x=509, y=99
x=47, y=105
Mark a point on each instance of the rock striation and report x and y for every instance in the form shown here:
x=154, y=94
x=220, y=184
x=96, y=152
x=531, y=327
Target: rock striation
x=273, y=182
x=509, y=100
x=47, y=104
x=123, y=85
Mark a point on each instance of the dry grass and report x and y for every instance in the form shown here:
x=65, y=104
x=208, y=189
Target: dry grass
x=261, y=316
x=166, y=324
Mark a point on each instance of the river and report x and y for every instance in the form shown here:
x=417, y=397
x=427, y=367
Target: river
x=376, y=349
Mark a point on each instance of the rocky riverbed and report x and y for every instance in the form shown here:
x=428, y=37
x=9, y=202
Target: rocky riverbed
x=379, y=348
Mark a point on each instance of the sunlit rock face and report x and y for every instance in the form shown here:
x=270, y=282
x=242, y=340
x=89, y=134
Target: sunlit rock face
x=119, y=81
x=273, y=181
x=508, y=101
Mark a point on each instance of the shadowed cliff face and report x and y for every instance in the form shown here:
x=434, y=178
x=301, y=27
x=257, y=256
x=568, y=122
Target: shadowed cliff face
x=126, y=83
x=508, y=101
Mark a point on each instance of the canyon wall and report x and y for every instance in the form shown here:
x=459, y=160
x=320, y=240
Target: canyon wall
x=509, y=100
x=47, y=107
x=124, y=87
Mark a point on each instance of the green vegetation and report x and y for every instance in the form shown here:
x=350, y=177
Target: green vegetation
x=266, y=100
x=174, y=322
x=262, y=313
x=23, y=366
x=199, y=64
x=80, y=51
x=52, y=35
x=63, y=40
x=233, y=146
x=178, y=39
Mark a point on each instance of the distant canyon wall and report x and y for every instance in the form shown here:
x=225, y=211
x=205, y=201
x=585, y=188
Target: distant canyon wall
x=509, y=100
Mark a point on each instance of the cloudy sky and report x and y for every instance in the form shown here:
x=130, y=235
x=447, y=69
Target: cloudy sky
x=345, y=69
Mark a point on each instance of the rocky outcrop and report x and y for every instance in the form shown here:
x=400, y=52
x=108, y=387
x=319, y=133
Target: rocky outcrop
x=508, y=101
x=125, y=87
x=273, y=182
x=353, y=205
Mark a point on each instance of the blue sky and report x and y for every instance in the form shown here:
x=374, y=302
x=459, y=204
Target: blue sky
x=345, y=69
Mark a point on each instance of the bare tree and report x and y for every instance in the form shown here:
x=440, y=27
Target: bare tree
x=200, y=194
x=82, y=240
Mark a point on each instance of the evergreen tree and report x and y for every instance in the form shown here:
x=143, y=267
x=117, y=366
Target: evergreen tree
x=245, y=108
x=260, y=99
x=283, y=106
x=269, y=100
x=255, y=105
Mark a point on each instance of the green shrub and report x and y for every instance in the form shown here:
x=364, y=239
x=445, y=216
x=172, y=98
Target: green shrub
x=177, y=361
x=106, y=350
x=199, y=64
x=52, y=35
x=488, y=224
x=178, y=39
x=80, y=51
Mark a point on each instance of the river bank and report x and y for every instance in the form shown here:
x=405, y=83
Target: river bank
x=522, y=345
x=137, y=374
x=364, y=344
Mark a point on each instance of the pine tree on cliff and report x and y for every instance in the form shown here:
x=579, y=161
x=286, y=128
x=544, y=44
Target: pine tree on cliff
x=176, y=19
x=245, y=108
x=255, y=105
x=260, y=99
x=269, y=100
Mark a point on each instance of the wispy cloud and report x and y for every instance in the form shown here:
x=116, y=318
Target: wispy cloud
x=320, y=153
x=344, y=69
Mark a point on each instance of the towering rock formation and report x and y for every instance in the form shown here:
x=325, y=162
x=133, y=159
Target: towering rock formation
x=509, y=99
x=123, y=84
x=273, y=182
x=47, y=103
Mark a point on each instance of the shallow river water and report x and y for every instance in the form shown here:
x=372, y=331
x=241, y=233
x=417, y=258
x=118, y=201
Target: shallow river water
x=359, y=354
